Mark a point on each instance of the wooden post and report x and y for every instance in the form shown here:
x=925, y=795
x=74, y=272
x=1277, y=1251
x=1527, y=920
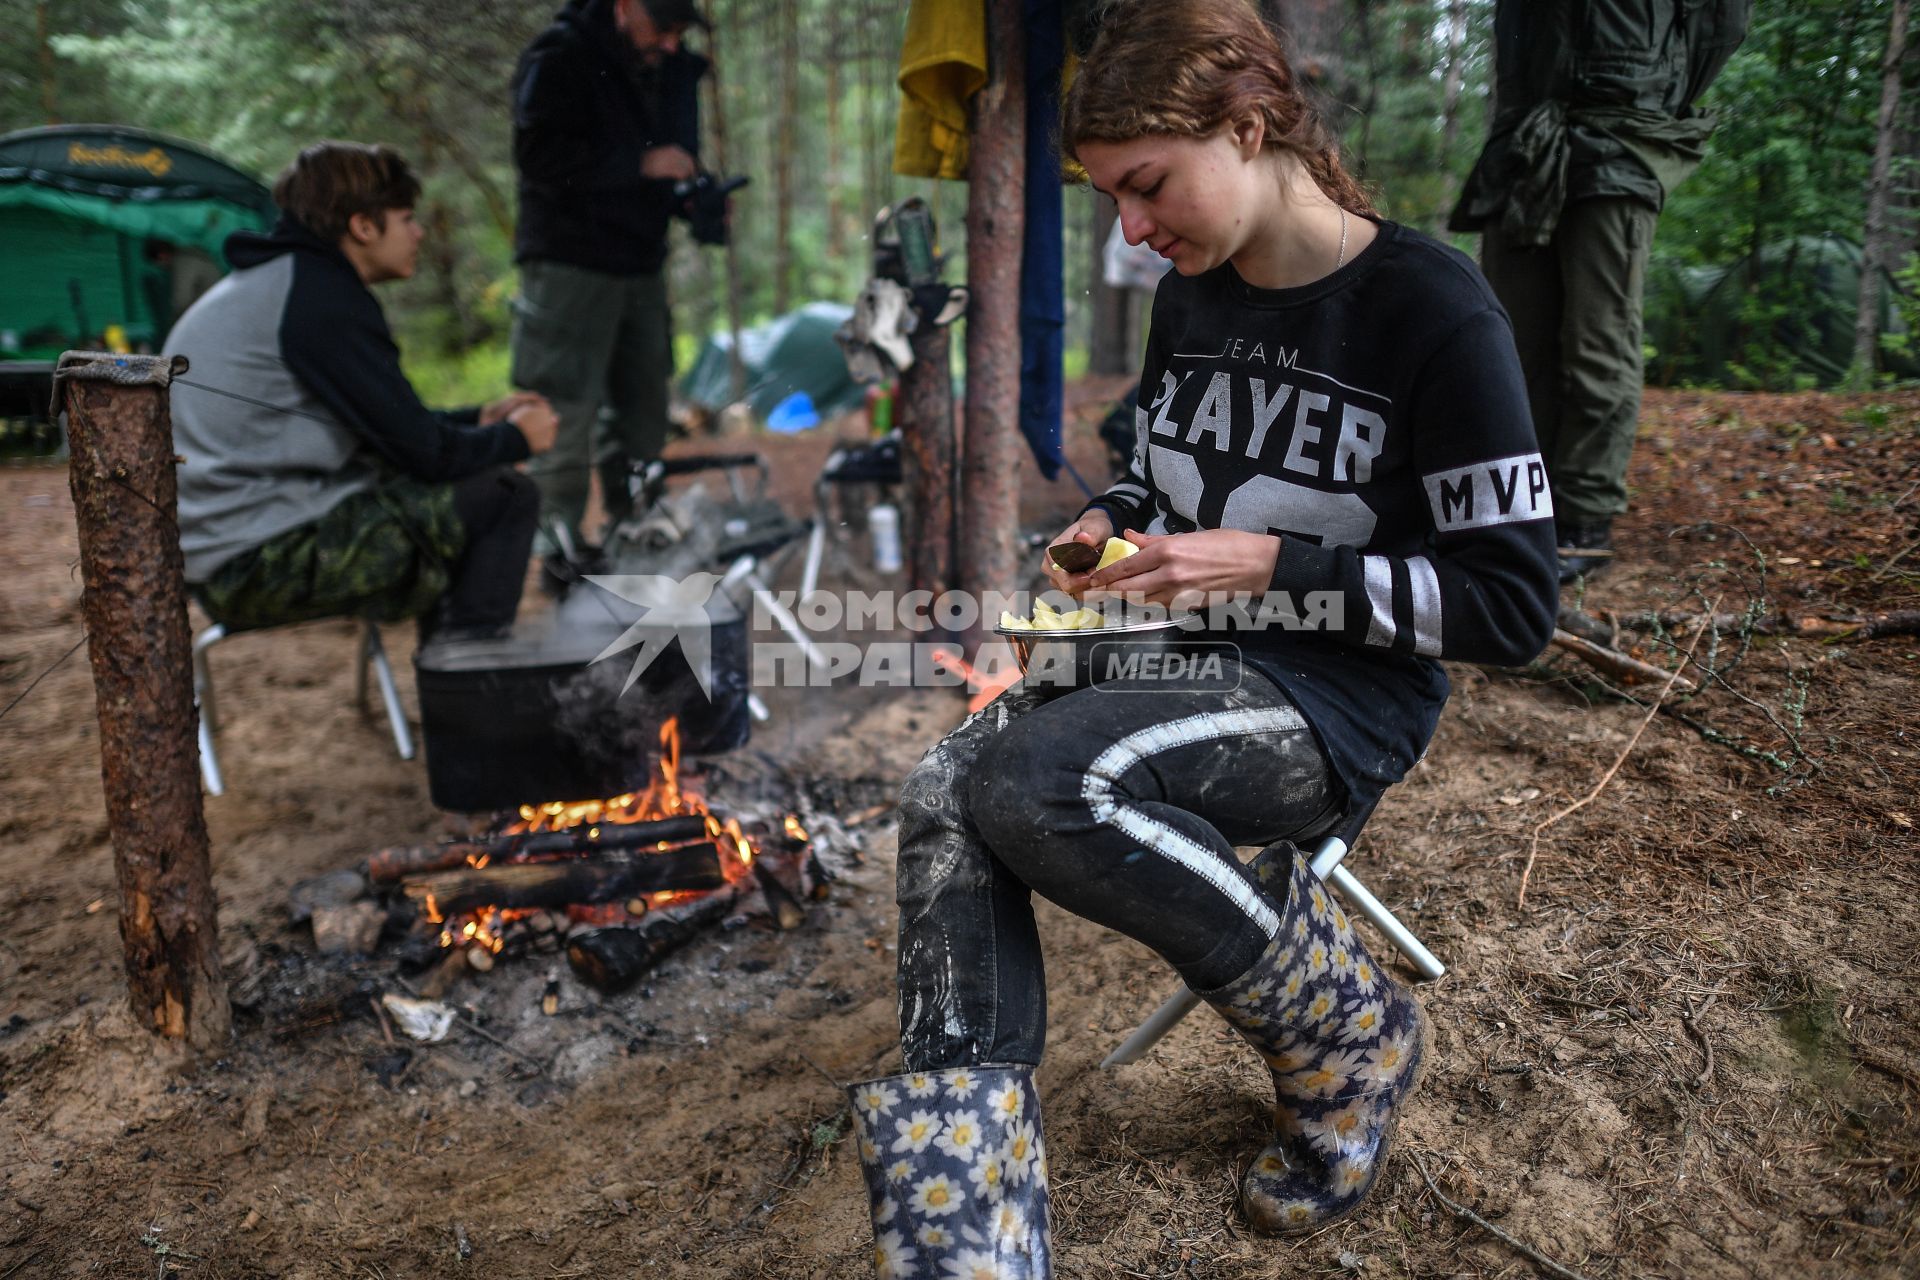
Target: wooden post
x=996, y=224
x=135, y=610
x=927, y=458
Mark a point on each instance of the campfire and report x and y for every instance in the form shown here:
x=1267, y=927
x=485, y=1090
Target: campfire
x=616, y=883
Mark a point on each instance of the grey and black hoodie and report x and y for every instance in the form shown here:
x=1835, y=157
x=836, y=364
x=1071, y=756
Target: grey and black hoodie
x=310, y=406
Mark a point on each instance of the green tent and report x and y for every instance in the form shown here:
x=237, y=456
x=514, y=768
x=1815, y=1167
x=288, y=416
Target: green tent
x=84, y=211
x=1780, y=317
x=795, y=352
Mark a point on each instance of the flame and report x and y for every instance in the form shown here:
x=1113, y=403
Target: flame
x=663, y=797
x=795, y=830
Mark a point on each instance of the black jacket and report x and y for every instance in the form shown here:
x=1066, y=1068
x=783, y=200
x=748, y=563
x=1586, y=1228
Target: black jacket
x=585, y=110
x=1620, y=78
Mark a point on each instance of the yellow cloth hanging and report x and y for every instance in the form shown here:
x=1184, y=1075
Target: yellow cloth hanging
x=943, y=63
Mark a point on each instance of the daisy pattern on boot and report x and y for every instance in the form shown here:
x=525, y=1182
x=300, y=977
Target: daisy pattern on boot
x=955, y=1190
x=1343, y=1043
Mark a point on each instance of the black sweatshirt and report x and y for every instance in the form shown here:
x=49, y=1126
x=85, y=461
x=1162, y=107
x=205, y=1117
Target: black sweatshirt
x=1377, y=421
x=307, y=404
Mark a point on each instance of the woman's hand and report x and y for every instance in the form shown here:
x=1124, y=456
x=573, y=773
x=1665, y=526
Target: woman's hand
x=1182, y=570
x=1093, y=528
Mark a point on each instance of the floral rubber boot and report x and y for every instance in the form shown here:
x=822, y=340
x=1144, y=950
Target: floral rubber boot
x=956, y=1173
x=1343, y=1042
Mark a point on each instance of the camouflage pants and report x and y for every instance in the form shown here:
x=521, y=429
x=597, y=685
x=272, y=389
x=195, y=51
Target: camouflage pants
x=385, y=553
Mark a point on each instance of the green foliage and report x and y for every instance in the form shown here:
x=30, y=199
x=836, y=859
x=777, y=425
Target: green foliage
x=1789, y=163
x=1406, y=88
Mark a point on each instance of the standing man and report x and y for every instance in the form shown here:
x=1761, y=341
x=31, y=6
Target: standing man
x=1594, y=125
x=605, y=124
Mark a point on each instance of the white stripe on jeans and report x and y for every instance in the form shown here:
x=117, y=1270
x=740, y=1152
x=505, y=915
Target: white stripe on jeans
x=1104, y=774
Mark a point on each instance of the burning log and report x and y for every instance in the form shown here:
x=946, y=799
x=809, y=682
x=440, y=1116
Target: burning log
x=401, y=861
x=612, y=959
x=615, y=876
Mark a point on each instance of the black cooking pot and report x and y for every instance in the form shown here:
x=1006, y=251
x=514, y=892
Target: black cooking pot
x=540, y=715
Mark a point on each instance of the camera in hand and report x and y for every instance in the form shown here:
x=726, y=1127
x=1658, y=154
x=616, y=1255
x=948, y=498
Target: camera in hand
x=703, y=203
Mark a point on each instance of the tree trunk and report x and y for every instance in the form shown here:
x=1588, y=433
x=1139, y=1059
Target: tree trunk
x=926, y=430
x=1450, y=106
x=870, y=95
x=1313, y=31
x=996, y=194
x=1903, y=229
x=783, y=155
x=1866, y=321
x=1112, y=347
x=717, y=117
x=49, y=79
x=135, y=610
x=836, y=233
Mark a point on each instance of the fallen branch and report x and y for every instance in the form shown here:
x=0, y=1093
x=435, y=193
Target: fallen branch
x=1900, y=622
x=1629, y=670
x=1533, y=848
x=1465, y=1214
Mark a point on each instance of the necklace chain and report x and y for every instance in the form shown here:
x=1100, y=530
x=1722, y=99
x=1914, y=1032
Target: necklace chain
x=1341, y=261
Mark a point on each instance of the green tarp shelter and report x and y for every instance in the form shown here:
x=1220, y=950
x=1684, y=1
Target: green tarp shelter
x=83, y=209
x=1788, y=309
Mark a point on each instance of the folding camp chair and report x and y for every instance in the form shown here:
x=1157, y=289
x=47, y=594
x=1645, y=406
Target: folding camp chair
x=372, y=655
x=1326, y=860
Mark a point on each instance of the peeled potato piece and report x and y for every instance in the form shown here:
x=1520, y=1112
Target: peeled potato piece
x=1116, y=550
x=1047, y=618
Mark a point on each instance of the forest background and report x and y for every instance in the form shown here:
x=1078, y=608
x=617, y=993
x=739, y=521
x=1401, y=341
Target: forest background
x=804, y=103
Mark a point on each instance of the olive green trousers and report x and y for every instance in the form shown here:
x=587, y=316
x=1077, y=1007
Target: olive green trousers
x=599, y=347
x=1576, y=310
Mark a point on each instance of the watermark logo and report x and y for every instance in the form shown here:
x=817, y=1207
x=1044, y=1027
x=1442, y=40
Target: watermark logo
x=670, y=609
x=831, y=638
x=1196, y=667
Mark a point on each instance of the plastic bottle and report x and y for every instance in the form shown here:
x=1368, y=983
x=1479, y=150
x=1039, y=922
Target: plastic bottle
x=883, y=521
x=880, y=408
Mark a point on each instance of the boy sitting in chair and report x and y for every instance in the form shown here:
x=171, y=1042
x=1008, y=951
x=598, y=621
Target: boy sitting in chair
x=314, y=482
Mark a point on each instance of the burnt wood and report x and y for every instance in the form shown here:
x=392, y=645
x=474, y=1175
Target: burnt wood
x=400, y=861
x=612, y=959
x=782, y=905
x=612, y=876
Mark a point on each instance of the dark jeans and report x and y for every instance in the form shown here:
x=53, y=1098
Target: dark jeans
x=1122, y=804
x=498, y=509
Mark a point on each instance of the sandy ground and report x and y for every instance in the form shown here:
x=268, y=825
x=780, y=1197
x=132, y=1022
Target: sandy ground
x=1690, y=1053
